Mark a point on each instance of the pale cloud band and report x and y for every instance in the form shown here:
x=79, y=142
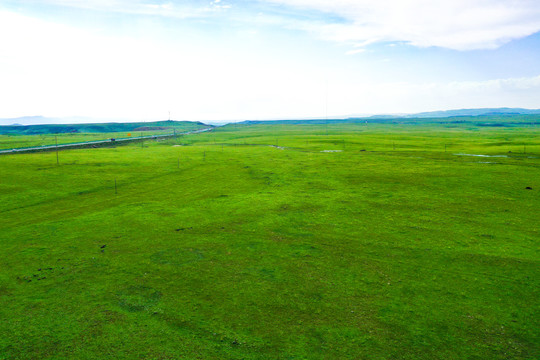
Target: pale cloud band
x=455, y=24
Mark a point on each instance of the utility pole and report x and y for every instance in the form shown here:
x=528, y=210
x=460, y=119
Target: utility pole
x=326, y=111
x=56, y=141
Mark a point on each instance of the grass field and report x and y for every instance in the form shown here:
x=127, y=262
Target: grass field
x=276, y=242
x=20, y=139
x=23, y=141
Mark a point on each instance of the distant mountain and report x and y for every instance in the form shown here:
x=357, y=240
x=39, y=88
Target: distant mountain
x=42, y=120
x=26, y=120
x=493, y=119
x=474, y=112
x=35, y=120
x=471, y=113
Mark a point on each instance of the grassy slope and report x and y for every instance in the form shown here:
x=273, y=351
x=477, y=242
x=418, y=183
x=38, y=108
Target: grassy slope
x=37, y=135
x=93, y=128
x=248, y=251
x=497, y=120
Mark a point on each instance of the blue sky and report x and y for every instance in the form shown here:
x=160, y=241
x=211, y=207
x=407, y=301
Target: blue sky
x=226, y=60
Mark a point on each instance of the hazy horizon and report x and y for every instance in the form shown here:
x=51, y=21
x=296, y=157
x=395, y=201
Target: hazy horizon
x=42, y=120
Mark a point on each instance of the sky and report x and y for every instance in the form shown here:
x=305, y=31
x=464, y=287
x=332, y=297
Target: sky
x=229, y=60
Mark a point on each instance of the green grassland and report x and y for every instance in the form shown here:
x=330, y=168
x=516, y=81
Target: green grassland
x=492, y=120
x=256, y=242
x=39, y=135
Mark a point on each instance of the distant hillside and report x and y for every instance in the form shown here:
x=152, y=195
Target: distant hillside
x=496, y=119
x=100, y=127
x=475, y=112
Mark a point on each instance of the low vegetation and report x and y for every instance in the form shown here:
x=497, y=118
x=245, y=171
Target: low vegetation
x=340, y=241
x=38, y=135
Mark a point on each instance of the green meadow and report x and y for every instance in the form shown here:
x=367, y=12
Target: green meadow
x=39, y=135
x=339, y=241
x=23, y=141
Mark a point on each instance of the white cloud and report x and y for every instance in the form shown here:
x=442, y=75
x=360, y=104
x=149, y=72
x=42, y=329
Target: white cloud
x=57, y=70
x=410, y=97
x=531, y=84
x=355, y=51
x=173, y=9
x=454, y=24
x=52, y=69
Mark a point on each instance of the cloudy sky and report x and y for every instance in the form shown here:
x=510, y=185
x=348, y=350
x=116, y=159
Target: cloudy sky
x=263, y=59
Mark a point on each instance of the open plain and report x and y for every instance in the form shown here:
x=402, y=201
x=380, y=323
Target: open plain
x=340, y=241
